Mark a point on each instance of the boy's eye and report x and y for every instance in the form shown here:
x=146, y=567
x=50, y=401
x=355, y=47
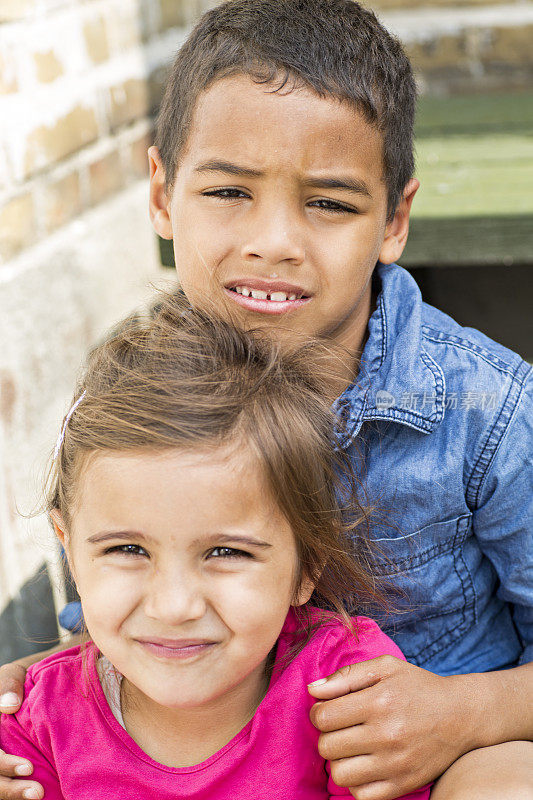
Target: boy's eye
x=332, y=205
x=127, y=549
x=228, y=552
x=225, y=194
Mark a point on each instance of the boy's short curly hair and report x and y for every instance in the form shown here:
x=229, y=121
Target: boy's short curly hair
x=334, y=47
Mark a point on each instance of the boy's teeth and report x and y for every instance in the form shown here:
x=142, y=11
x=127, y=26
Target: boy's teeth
x=258, y=294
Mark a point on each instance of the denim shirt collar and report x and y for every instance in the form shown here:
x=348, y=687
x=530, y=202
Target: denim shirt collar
x=397, y=380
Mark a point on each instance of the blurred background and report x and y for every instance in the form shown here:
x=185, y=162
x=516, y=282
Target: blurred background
x=80, y=81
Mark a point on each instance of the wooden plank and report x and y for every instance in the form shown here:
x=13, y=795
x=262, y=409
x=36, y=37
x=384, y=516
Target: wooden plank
x=469, y=241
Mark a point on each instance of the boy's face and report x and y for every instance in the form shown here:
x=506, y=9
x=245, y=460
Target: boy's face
x=281, y=195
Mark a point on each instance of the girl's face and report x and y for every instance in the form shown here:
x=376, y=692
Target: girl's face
x=186, y=570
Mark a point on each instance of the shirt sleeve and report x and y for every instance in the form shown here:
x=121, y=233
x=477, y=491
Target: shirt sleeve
x=503, y=511
x=71, y=617
x=17, y=738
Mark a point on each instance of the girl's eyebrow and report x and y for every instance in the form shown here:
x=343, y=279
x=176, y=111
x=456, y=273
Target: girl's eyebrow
x=216, y=538
x=106, y=535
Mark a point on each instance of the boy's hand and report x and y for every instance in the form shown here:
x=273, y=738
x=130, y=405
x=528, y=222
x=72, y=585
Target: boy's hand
x=13, y=768
x=12, y=678
x=389, y=727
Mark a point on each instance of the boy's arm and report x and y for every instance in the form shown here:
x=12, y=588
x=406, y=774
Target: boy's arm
x=12, y=677
x=389, y=726
x=416, y=723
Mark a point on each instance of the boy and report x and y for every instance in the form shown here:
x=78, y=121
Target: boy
x=283, y=173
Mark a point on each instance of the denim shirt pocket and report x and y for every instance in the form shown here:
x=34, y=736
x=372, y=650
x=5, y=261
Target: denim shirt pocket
x=437, y=602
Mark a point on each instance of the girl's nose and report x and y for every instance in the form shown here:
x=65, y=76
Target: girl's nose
x=273, y=237
x=173, y=597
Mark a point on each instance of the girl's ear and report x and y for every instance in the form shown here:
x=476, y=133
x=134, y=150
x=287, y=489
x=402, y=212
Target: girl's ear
x=303, y=595
x=63, y=535
x=59, y=526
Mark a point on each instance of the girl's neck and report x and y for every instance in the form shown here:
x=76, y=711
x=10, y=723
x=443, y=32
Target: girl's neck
x=183, y=737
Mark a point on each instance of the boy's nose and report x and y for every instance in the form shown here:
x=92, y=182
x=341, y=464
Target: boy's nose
x=174, y=598
x=273, y=239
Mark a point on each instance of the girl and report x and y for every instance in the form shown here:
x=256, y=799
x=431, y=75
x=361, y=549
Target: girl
x=194, y=491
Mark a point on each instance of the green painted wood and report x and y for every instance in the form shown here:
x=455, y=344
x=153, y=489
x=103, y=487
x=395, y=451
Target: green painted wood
x=469, y=241
x=475, y=166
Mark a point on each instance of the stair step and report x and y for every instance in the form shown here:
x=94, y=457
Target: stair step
x=475, y=165
x=467, y=48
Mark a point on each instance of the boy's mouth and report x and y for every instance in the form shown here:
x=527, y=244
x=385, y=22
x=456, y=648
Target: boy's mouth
x=275, y=299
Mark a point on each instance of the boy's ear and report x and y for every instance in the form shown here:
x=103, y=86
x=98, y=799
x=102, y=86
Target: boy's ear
x=397, y=229
x=159, y=202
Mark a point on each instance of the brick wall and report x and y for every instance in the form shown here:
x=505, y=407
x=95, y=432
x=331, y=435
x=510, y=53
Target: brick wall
x=77, y=83
x=79, y=80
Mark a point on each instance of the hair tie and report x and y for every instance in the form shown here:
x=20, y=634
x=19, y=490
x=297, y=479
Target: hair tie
x=61, y=436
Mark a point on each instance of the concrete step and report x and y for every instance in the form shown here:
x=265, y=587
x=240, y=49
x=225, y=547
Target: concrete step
x=477, y=47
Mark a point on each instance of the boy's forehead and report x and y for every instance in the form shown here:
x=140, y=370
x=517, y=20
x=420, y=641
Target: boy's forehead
x=236, y=118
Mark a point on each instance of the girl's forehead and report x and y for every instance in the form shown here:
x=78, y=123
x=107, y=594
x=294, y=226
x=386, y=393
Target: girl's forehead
x=206, y=488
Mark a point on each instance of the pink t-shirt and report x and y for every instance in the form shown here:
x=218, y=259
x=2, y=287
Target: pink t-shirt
x=81, y=752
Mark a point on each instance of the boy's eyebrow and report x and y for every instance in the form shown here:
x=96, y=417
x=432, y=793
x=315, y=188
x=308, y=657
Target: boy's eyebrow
x=348, y=184
x=228, y=168
x=352, y=185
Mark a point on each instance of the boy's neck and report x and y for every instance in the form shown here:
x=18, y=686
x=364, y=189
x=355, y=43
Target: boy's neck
x=343, y=366
x=184, y=737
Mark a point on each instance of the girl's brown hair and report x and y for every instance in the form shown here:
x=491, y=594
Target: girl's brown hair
x=185, y=379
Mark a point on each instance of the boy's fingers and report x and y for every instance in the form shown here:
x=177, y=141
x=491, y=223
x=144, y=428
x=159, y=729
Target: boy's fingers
x=12, y=678
x=20, y=790
x=14, y=767
x=348, y=713
x=353, y=678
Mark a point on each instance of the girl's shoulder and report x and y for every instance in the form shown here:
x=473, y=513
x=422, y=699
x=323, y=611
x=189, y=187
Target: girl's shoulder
x=56, y=675
x=333, y=644
x=54, y=693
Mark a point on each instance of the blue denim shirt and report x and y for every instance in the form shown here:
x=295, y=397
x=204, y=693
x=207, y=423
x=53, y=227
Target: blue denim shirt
x=439, y=425
x=443, y=417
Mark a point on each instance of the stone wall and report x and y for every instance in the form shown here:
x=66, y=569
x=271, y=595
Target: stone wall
x=79, y=80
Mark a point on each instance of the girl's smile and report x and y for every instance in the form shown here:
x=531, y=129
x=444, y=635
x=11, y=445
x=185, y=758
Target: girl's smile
x=179, y=648
x=186, y=570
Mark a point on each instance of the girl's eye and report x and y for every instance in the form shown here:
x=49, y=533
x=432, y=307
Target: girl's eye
x=225, y=194
x=332, y=205
x=127, y=549
x=228, y=552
